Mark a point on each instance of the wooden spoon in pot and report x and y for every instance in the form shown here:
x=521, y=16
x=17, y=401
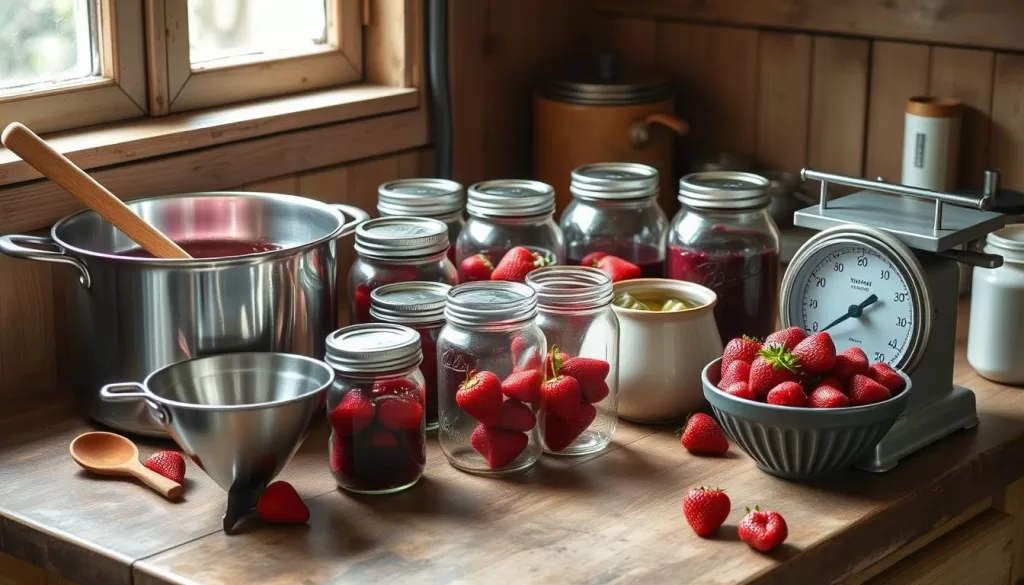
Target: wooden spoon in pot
x=55, y=166
x=111, y=454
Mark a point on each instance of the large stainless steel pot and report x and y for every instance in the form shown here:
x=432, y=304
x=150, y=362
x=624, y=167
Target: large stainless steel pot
x=130, y=316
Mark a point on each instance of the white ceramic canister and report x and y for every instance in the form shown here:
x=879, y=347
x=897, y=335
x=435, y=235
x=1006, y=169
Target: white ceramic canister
x=995, y=341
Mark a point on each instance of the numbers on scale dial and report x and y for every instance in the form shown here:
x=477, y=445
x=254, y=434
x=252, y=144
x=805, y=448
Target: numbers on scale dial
x=846, y=275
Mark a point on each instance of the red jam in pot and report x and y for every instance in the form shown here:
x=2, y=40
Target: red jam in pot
x=220, y=248
x=647, y=257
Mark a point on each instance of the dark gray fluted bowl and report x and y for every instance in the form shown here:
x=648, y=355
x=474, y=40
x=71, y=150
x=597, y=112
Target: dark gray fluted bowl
x=801, y=443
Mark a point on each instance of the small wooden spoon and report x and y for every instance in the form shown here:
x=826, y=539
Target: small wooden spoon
x=55, y=166
x=112, y=454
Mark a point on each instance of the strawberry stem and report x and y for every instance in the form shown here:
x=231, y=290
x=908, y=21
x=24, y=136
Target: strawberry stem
x=556, y=362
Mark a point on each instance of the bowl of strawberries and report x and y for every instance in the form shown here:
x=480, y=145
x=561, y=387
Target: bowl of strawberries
x=798, y=407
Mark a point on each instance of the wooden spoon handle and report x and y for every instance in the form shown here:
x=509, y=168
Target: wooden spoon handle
x=168, y=488
x=62, y=171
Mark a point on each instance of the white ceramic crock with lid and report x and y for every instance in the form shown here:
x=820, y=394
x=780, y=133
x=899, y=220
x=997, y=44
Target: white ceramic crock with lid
x=995, y=341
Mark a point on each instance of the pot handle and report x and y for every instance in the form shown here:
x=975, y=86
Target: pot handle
x=12, y=245
x=358, y=216
x=128, y=391
x=640, y=130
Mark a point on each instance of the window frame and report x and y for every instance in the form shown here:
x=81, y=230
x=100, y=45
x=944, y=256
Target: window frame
x=174, y=86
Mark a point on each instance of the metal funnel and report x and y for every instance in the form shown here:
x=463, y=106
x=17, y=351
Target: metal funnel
x=240, y=417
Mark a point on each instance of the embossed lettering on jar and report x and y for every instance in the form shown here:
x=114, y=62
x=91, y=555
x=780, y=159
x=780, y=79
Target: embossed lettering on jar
x=439, y=199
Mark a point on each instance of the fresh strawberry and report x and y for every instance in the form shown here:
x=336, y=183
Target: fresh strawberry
x=281, y=504
x=383, y=440
x=592, y=258
x=816, y=354
x=881, y=372
x=519, y=345
x=864, y=390
x=476, y=267
x=401, y=413
x=827, y=397
x=850, y=362
x=523, y=386
x=516, y=416
x=743, y=349
x=354, y=413
x=585, y=370
x=480, y=397
x=618, y=268
x=787, y=394
x=549, y=365
x=741, y=390
x=706, y=509
x=762, y=531
x=516, y=264
x=832, y=382
x=169, y=464
x=393, y=387
x=738, y=371
x=560, y=432
x=594, y=393
x=498, y=446
x=787, y=338
x=703, y=435
x=361, y=300
x=561, y=396
x=772, y=366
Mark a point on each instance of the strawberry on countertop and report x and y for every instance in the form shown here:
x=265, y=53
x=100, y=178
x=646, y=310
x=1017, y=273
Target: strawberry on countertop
x=816, y=354
x=706, y=509
x=703, y=435
x=169, y=464
x=476, y=267
x=743, y=349
x=517, y=263
x=281, y=504
x=763, y=531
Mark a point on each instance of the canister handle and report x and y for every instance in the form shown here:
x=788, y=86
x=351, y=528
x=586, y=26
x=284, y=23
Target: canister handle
x=358, y=216
x=640, y=130
x=128, y=391
x=11, y=245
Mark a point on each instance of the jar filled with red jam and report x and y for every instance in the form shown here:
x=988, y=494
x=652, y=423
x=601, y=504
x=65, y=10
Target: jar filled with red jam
x=615, y=211
x=420, y=306
x=375, y=408
x=505, y=214
x=397, y=249
x=724, y=239
x=439, y=199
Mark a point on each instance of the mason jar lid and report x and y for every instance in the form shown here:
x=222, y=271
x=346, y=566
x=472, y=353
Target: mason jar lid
x=401, y=237
x=409, y=302
x=373, y=348
x=420, y=197
x=571, y=288
x=724, y=190
x=510, y=198
x=495, y=302
x=617, y=180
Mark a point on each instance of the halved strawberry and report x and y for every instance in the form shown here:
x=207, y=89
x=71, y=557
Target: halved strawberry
x=169, y=464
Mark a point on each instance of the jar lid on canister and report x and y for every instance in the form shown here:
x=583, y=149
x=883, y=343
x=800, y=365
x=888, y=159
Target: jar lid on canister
x=510, y=198
x=1007, y=242
x=401, y=237
x=373, y=348
x=420, y=197
x=724, y=190
x=617, y=180
x=602, y=82
x=486, y=303
x=409, y=303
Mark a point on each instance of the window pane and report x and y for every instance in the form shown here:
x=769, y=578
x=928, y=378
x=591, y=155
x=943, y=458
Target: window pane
x=220, y=29
x=46, y=41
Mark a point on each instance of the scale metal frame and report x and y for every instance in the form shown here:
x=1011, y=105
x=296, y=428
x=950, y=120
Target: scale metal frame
x=929, y=231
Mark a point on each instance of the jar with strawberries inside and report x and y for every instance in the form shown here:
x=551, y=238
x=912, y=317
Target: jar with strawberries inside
x=375, y=408
x=724, y=238
x=490, y=355
x=503, y=215
x=615, y=212
x=397, y=249
x=419, y=305
x=439, y=199
x=580, y=389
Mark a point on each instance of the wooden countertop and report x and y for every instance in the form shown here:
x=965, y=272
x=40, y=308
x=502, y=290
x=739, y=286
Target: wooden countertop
x=612, y=517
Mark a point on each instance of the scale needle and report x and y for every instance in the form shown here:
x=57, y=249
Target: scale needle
x=854, y=312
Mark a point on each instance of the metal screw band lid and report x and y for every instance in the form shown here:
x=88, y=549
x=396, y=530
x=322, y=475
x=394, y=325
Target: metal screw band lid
x=571, y=288
x=401, y=237
x=373, y=348
x=614, y=181
x=724, y=190
x=409, y=303
x=490, y=303
x=420, y=197
x=510, y=198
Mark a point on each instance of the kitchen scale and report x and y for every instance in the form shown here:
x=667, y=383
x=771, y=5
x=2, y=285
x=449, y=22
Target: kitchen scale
x=882, y=275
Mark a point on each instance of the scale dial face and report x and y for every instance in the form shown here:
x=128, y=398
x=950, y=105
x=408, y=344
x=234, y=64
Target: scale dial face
x=863, y=287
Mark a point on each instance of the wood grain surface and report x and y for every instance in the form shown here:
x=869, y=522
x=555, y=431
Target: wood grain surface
x=839, y=82
x=898, y=71
x=783, y=100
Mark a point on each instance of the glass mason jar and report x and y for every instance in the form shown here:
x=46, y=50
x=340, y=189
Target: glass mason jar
x=724, y=239
x=375, y=408
x=438, y=199
x=574, y=311
x=420, y=306
x=508, y=213
x=397, y=249
x=615, y=210
x=489, y=377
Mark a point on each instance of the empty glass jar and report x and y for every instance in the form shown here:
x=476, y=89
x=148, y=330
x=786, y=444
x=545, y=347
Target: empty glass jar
x=438, y=199
x=490, y=356
x=574, y=311
x=375, y=408
x=397, y=249
x=615, y=210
